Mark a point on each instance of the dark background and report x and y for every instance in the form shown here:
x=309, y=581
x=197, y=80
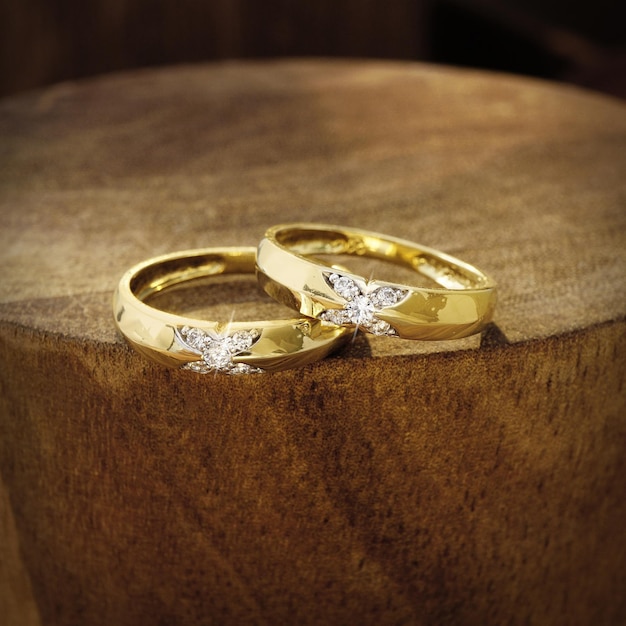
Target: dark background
x=46, y=41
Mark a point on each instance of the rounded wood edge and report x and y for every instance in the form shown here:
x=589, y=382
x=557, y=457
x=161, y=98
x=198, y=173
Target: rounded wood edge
x=485, y=463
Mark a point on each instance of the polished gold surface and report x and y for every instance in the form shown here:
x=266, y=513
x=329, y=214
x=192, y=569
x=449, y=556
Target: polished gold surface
x=460, y=304
x=164, y=337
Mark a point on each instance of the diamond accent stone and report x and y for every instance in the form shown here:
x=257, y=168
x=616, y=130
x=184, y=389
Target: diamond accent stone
x=195, y=337
x=242, y=340
x=217, y=350
x=218, y=354
x=336, y=316
x=244, y=368
x=387, y=296
x=344, y=286
x=380, y=327
x=198, y=366
x=361, y=307
x=360, y=311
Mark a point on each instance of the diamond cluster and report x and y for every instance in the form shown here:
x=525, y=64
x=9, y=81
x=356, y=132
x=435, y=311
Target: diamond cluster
x=217, y=351
x=361, y=307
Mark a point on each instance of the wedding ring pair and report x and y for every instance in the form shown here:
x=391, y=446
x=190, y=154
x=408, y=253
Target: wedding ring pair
x=332, y=301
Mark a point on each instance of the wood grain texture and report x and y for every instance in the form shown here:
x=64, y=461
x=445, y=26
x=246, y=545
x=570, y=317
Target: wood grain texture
x=470, y=482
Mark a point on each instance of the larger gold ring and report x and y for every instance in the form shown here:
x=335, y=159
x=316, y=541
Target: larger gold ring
x=210, y=346
x=460, y=304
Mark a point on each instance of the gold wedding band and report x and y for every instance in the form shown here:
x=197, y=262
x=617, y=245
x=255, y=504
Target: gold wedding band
x=461, y=303
x=210, y=346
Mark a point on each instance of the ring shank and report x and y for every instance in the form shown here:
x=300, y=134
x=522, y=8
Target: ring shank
x=164, y=272
x=280, y=344
x=461, y=304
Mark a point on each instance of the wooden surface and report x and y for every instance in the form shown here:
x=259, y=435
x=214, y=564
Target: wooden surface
x=478, y=482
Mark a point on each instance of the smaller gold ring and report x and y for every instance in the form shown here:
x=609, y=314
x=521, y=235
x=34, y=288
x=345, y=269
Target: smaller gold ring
x=210, y=346
x=461, y=304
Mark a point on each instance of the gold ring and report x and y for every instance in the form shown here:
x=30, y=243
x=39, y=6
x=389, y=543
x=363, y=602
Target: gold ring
x=210, y=346
x=461, y=303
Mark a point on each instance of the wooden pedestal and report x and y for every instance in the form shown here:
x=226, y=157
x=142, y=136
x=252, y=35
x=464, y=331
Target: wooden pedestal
x=471, y=482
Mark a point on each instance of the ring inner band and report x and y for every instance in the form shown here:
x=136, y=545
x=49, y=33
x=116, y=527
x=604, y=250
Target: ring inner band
x=156, y=277
x=439, y=267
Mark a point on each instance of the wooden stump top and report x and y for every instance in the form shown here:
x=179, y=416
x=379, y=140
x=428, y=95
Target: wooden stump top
x=464, y=482
x=523, y=178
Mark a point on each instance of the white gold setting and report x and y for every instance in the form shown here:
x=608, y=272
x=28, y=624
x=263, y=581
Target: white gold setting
x=217, y=350
x=361, y=305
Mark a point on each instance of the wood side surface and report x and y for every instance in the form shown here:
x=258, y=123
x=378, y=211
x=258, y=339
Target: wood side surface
x=465, y=482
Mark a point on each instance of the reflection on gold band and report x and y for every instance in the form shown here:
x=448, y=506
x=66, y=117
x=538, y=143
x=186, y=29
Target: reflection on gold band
x=460, y=304
x=211, y=346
